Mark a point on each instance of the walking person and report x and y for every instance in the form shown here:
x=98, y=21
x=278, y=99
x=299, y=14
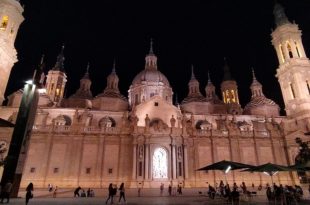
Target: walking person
x=122, y=193
x=55, y=192
x=29, y=191
x=77, y=192
x=6, y=192
x=169, y=190
x=110, y=196
x=161, y=189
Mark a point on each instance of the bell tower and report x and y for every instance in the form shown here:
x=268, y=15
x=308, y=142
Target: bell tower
x=293, y=72
x=56, y=79
x=10, y=19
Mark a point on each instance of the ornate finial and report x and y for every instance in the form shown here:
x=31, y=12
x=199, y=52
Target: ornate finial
x=227, y=75
x=87, y=68
x=176, y=99
x=113, y=68
x=193, y=75
x=60, y=60
x=209, y=79
x=42, y=59
x=151, y=47
x=253, y=74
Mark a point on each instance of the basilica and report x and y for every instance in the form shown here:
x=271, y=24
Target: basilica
x=144, y=139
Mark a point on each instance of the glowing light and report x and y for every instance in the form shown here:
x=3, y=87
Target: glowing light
x=228, y=169
x=42, y=90
x=29, y=82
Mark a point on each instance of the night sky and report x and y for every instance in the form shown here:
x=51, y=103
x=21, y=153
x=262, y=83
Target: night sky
x=201, y=33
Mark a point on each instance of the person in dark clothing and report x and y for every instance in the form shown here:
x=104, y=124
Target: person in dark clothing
x=29, y=191
x=122, y=193
x=77, y=192
x=235, y=196
x=110, y=189
x=6, y=192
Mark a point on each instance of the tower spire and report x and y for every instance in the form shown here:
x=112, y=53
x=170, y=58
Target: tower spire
x=209, y=79
x=60, y=60
x=193, y=75
x=279, y=14
x=151, y=47
x=113, y=68
x=253, y=74
x=227, y=74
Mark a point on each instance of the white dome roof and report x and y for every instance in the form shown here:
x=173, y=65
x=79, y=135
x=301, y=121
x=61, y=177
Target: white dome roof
x=150, y=75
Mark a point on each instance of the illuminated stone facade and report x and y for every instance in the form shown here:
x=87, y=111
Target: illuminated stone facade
x=10, y=19
x=147, y=140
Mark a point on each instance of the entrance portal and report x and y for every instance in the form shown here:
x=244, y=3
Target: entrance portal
x=160, y=164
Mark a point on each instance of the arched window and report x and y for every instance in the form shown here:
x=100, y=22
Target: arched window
x=4, y=23
x=297, y=49
x=292, y=90
x=282, y=53
x=289, y=49
x=160, y=164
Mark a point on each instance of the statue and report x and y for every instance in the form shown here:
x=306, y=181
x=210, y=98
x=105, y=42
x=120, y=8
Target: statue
x=304, y=153
x=172, y=121
x=147, y=121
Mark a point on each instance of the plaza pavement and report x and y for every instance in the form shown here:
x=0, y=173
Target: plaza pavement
x=149, y=197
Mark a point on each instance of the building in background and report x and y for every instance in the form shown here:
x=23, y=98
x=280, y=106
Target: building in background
x=145, y=140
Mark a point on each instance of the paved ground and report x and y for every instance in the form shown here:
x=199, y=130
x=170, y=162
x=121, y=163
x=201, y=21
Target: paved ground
x=183, y=200
x=149, y=197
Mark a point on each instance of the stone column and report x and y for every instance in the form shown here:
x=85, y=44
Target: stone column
x=134, y=162
x=301, y=49
x=100, y=158
x=185, y=162
x=285, y=50
x=174, y=173
x=146, y=161
x=293, y=48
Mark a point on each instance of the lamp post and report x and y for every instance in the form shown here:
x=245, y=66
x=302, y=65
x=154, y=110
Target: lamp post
x=21, y=134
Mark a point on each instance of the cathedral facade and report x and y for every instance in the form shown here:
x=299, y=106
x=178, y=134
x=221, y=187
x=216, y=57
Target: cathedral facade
x=144, y=139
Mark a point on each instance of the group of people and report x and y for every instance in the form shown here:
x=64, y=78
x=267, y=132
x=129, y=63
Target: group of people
x=112, y=191
x=284, y=194
x=172, y=190
x=226, y=192
x=79, y=192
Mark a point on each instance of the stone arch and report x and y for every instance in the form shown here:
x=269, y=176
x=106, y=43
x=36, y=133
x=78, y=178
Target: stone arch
x=107, y=121
x=158, y=124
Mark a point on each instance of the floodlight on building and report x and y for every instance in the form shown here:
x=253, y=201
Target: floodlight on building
x=29, y=82
x=228, y=169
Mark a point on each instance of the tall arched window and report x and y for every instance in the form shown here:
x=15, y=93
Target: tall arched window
x=4, y=23
x=297, y=49
x=160, y=164
x=290, y=53
x=282, y=53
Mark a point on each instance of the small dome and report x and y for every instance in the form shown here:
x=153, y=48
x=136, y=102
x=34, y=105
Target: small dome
x=260, y=101
x=150, y=75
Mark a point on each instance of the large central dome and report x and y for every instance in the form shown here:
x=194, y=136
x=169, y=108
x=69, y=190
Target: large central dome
x=150, y=76
x=149, y=82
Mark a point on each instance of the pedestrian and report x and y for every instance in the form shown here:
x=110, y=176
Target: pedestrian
x=110, y=196
x=88, y=193
x=6, y=192
x=161, y=189
x=179, y=190
x=122, y=193
x=83, y=194
x=77, y=192
x=29, y=191
x=169, y=190
x=139, y=192
x=55, y=192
